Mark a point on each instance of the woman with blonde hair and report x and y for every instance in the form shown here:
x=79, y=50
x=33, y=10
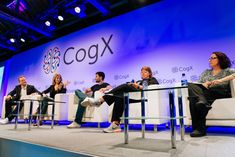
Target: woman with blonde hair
x=57, y=87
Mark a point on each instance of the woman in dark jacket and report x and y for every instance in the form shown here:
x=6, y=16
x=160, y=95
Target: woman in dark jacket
x=57, y=87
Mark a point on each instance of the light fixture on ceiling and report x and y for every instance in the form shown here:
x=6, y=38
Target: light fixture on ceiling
x=47, y=23
x=60, y=18
x=12, y=40
x=22, y=39
x=77, y=9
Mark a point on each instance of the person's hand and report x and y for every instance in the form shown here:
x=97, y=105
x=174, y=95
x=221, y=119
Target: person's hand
x=8, y=97
x=66, y=83
x=207, y=84
x=135, y=85
x=34, y=94
x=215, y=82
x=102, y=90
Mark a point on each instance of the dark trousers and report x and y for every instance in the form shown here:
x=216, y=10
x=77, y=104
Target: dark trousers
x=118, y=99
x=9, y=112
x=43, y=106
x=200, y=101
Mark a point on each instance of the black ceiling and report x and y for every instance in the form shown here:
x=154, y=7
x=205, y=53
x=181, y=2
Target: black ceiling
x=26, y=19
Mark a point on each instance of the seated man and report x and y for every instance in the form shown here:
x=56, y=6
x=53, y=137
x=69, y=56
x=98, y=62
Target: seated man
x=20, y=90
x=100, y=86
x=116, y=96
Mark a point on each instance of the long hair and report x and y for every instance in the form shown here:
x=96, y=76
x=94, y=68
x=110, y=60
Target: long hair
x=224, y=61
x=148, y=69
x=54, y=81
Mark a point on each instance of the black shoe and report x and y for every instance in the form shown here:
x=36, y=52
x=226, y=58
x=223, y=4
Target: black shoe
x=40, y=123
x=197, y=133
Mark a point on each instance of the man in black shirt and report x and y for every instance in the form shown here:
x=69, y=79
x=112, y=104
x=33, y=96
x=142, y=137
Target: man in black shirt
x=100, y=86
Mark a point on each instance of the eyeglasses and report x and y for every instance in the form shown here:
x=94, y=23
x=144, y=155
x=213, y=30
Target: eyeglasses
x=211, y=58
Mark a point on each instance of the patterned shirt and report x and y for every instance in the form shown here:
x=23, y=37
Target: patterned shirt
x=207, y=76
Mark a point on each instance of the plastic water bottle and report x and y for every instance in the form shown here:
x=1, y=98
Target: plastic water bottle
x=145, y=84
x=184, y=81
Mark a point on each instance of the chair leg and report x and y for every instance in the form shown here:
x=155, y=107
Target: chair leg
x=155, y=127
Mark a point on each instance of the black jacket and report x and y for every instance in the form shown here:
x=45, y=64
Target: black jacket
x=17, y=90
x=53, y=92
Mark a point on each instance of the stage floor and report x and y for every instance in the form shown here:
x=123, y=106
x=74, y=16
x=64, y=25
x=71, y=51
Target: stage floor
x=94, y=142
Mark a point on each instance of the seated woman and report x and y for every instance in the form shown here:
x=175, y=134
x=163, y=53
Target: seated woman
x=202, y=96
x=117, y=98
x=57, y=87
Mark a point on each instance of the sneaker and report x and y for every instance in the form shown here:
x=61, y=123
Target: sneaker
x=73, y=125
x=4, y=121
x=90, y=102
x=113, y=128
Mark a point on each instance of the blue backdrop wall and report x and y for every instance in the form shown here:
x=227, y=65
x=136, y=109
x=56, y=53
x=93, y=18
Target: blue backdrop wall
x=172, y=37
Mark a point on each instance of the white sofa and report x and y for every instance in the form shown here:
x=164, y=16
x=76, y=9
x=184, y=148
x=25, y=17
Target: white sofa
x=222, y=112
x=61, y=109
x=92, y=114
x=157, y=105
x=25, y=110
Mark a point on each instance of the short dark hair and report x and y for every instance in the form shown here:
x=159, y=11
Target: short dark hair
x=224, y=61
x=20, y=77
x=101, y=74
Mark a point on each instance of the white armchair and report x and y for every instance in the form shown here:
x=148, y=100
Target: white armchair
x=157, y=105
x=222, y=112
x=25, y=110
x=92, y=114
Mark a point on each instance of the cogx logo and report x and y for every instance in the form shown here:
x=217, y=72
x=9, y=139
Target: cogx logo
x=51, y=60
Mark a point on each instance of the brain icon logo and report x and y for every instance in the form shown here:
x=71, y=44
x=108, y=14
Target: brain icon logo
x=51, y=60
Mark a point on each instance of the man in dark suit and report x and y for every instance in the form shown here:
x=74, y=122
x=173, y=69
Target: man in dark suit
x=20, y=90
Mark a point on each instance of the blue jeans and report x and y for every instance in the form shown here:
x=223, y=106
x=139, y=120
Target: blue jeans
x=80, y=109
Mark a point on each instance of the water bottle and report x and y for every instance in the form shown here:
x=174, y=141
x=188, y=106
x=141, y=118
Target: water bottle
x=132, y=81
x=184, y=81
x=145, y=84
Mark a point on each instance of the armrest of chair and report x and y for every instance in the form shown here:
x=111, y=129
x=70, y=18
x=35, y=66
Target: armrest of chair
x=232, y=85
x=98, y=94
x=3, y=107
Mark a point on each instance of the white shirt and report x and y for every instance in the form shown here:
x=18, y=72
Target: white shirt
x=23, y=91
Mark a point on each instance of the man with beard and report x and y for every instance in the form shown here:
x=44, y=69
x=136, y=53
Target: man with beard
x=100, y=86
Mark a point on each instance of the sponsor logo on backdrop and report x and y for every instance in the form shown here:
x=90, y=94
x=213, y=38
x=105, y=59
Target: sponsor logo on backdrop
x=194, y=78
x=51, y=60
x=167, y=81
x=78, y=82
x=155, y=72
x=93, y=52
x=121, y=77
x=181, y=69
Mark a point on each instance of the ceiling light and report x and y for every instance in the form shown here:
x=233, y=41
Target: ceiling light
x=60, y=18
x=77, y=9
x=22, y=39
x=12, y=40
x=47, y=23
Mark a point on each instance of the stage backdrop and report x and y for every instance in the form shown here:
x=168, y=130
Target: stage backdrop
x=172, y=37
